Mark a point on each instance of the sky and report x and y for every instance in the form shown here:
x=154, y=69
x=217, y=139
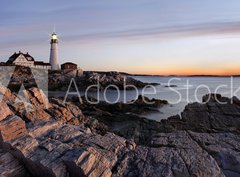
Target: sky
x=166, y=37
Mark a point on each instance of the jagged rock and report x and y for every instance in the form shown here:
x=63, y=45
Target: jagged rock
x=38, y=102
x=211, y=97
x=104, y=79
x=66, y=133
x=61, y=150
x=49, y=153
x=109, y=142
x=196, y=116
x=38, y=159
x=96, y=126
x=219, y=114
x=36, y=114
x=10, y=167
x=34, y=106
x=204, y=142
x=140, y=105
x=6, y=95
x=171, y=154
x=143, y=101
x=235, y=100
x=4, y=111
x=224, y=147
x=96, y=157
x=38, y=98
x=87, y=162
x=12, y=128
x=39, y=129
x=65, y=112
x=22, y=146
x=131, y=144
x=60, y=80
x=31, y=107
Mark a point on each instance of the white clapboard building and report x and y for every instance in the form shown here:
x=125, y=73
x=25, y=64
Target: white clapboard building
x=24, y=59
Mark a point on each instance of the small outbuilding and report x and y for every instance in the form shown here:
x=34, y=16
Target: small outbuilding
x=69, y=66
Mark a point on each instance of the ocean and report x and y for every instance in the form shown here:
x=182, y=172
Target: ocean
x=184, y=90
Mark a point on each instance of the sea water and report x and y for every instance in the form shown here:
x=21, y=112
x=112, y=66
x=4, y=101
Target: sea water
x=186, y=90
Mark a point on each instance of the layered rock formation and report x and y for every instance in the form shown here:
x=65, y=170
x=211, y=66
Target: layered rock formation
x=103, y=79
x=138, y=106
x=61, y=79
x=34, y=106
x=11, y=167
x=59, y=141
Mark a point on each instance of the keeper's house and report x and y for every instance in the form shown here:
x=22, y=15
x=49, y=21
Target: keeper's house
x=24, y=59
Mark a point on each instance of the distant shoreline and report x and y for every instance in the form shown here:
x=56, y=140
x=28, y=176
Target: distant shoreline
x=186, y=75
x=129, y=74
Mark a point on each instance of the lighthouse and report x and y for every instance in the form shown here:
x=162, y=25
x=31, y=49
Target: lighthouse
x=54, y=52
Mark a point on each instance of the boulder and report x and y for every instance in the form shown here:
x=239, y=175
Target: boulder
x=4, y=111
x=87, y=162
x=12, y=128
x=65, y=112
x=10, y=167
x=6, y=95
x=37, y=98
x=36, y=114
x=223, y=147
x=211, y=97
x=41, y=128
x=32, y=106
x=140, y=105
x=170, y=154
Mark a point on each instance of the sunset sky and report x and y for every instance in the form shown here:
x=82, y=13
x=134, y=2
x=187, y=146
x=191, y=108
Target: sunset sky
x=135, y=36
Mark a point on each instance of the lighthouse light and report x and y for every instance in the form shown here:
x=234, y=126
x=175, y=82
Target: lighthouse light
x=54, y=36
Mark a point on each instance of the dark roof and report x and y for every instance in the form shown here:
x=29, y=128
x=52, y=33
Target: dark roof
x=28, y=57
x=16, y=55
x=69, y=63
x=41, y=63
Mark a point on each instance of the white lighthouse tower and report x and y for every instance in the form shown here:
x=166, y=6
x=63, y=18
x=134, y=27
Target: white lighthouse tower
x=54, y=52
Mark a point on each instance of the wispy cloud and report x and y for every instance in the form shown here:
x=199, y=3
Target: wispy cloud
x=180, y=31
x=133, y=30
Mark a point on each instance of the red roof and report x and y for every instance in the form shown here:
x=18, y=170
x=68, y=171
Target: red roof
x=69, y=63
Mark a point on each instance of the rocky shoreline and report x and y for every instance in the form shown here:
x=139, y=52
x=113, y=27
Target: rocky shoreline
x=74, y=139
x=61, y=80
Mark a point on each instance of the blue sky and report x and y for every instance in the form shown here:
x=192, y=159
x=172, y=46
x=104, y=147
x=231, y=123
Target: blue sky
x=137, y=36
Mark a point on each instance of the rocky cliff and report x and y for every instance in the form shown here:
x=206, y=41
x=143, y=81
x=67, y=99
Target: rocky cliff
x=64, y=140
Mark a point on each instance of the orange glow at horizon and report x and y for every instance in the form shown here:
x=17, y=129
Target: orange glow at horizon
x=192, y=71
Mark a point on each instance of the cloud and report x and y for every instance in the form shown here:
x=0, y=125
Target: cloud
x=150, y=33
x=190, y=30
